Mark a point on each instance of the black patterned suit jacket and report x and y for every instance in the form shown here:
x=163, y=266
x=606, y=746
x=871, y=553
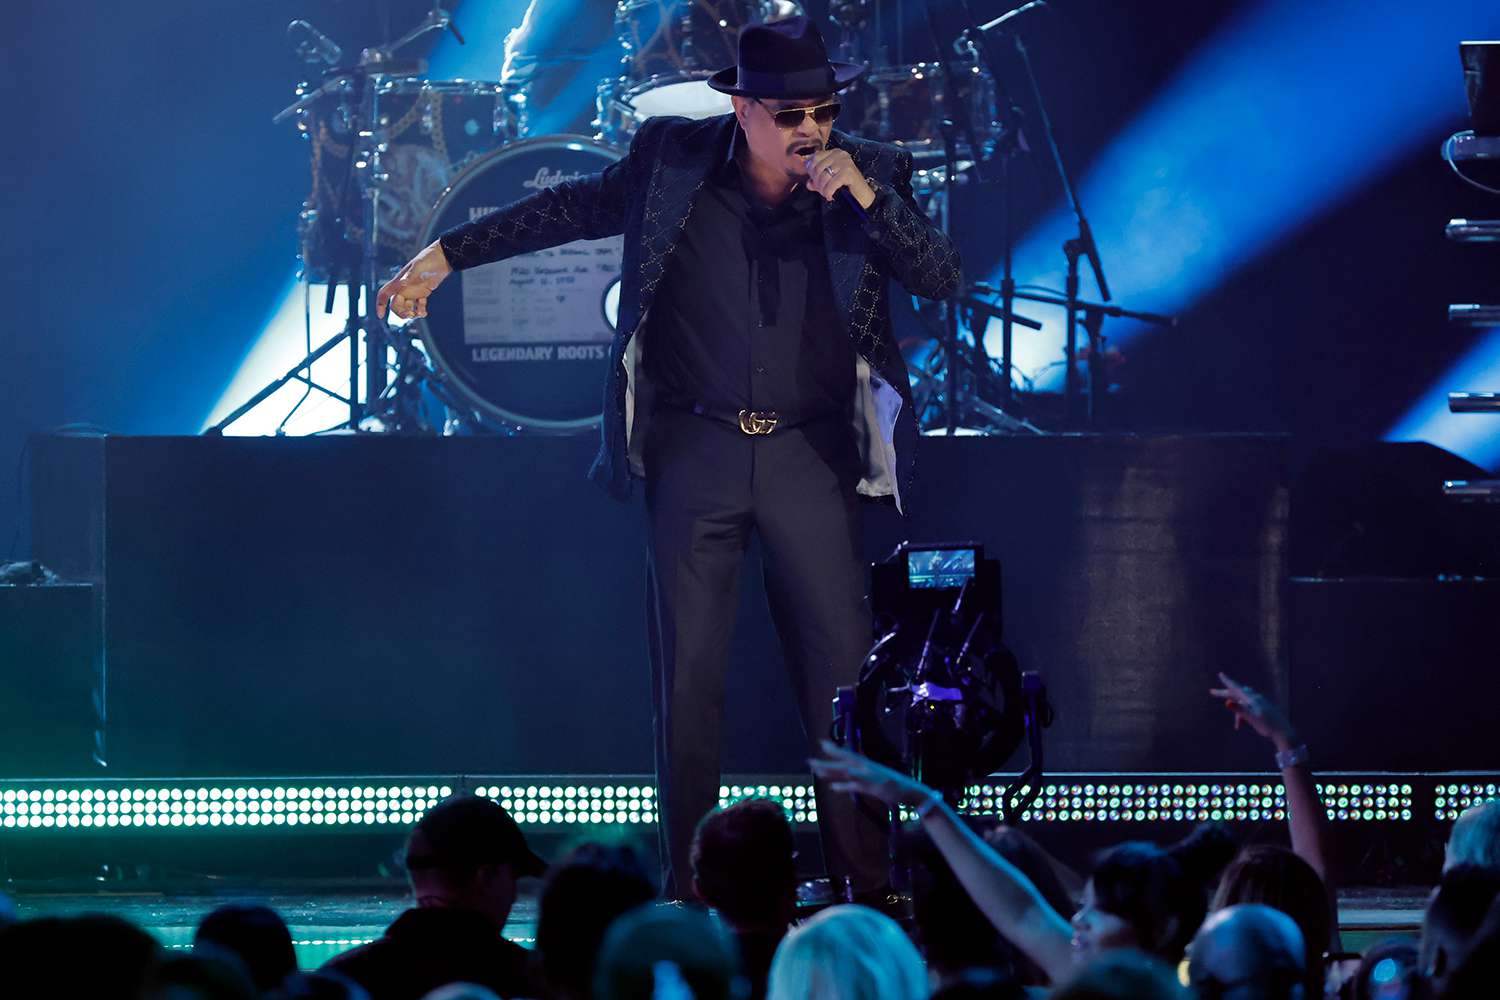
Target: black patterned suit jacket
x=647, y=196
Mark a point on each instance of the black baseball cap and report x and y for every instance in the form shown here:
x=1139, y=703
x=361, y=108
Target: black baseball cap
x=465, y=831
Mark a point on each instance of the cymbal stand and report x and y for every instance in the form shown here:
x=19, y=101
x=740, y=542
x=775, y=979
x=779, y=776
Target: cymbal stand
x=392, y=405
x=1090, y=315
x=957, y=121
x=357, y=266
x=1082, y=245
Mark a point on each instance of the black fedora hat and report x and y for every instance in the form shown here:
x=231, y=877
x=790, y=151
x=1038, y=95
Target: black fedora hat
x=784, y=59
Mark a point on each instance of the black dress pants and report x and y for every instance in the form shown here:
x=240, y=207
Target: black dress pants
x=708, y=486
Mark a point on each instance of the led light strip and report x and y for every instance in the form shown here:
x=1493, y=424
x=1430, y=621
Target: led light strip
x=541, y=805
x=551, y=801
x=192, y=805
x=1450, y=800
x=1156, y=802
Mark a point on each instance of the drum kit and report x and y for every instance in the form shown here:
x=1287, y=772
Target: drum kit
x=396, y=159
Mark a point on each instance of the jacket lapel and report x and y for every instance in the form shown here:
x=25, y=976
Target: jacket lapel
x=677, y=175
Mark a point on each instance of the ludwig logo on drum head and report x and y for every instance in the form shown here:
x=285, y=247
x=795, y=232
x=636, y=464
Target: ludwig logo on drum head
x=551, y=178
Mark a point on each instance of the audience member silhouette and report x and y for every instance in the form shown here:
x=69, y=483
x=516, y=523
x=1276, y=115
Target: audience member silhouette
x=46, y=957
x=1249, y=951
x=585, y=893
x=745, y=866
x=950, y=929
x=1151, y=898
x=256, y=935
x=1455, y=911
x=214, y=975
x=1477, y=973
x=1283, y=880
x=463, y=859
x=667, y=952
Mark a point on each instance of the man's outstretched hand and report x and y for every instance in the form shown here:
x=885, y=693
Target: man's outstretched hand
x=406, y=294
x=1260, y=712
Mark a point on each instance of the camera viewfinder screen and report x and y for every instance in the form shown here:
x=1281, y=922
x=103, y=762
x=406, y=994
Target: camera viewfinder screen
x=939, y=569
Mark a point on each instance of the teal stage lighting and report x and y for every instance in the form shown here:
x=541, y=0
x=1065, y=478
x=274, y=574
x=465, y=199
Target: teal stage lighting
x=352, y=804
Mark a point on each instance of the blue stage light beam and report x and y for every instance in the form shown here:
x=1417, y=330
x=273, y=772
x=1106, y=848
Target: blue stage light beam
x=1285, y=112
x=1475, y=436
x=484, y=28
x=282, y=343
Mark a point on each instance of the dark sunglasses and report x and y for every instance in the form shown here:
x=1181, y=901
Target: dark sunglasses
x=792, y=117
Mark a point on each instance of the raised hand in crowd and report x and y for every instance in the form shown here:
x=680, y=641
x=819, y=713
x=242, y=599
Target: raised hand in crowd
x=1257, y=711
x=1306, y=816
x=1001, y=891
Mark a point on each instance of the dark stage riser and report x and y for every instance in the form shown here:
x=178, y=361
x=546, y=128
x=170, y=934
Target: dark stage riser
x=50, y=687
x=414, y=605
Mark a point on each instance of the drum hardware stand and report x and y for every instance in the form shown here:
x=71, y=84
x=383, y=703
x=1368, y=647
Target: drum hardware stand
x=1079, y=312
x=958, y=119
x=359, y=257
x=1090, y=315
x=1081, y=245
x=1012, y=142
x=397, y=411
x=358, y=266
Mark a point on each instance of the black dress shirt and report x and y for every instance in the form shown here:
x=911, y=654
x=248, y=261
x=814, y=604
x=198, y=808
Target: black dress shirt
x=746, y=318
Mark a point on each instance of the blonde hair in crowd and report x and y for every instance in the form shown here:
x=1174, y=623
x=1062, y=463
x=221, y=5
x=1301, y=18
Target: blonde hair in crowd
x=847, y=953
x=1475, y=839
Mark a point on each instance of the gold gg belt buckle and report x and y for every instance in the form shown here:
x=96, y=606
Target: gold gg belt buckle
x=758, y=422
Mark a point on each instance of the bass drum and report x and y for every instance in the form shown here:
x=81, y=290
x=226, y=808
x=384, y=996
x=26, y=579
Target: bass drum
x=525, y=341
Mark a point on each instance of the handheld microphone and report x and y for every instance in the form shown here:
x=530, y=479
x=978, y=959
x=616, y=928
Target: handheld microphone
x=844, y=195
x=853, y=204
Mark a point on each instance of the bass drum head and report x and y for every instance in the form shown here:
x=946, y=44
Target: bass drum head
x=526, y=340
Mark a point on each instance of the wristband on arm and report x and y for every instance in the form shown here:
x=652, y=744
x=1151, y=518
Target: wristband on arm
x=1291, y=758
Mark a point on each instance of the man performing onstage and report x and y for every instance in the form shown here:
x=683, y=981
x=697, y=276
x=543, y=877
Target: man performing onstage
x=755, y=384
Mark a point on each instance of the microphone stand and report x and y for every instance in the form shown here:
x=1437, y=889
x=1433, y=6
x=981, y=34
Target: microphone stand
x=1082, y=245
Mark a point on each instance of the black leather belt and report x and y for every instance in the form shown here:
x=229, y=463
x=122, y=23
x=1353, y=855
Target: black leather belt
x=755, y=423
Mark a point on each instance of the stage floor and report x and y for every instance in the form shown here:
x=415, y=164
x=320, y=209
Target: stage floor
x=327, y=922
